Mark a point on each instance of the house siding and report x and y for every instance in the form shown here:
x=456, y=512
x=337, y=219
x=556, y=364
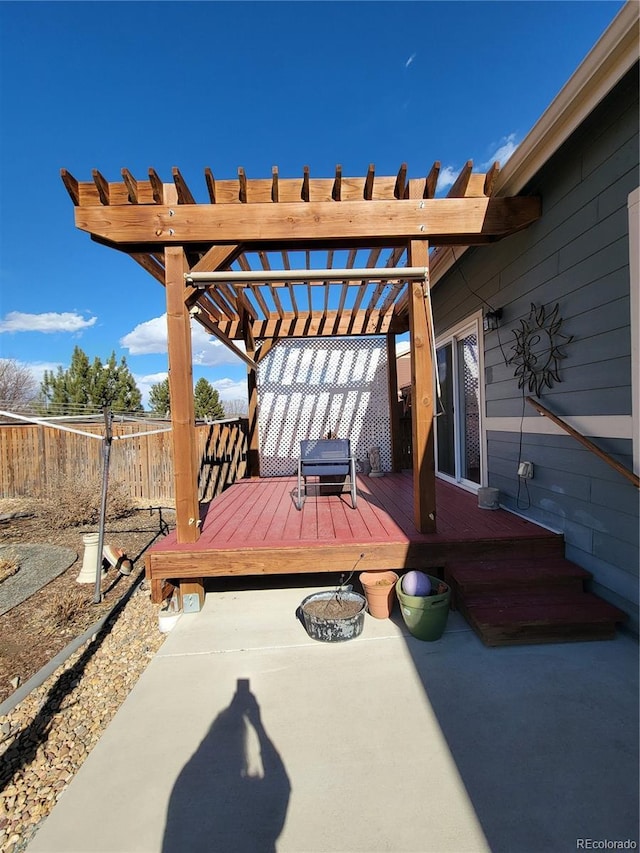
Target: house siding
x=576, y=256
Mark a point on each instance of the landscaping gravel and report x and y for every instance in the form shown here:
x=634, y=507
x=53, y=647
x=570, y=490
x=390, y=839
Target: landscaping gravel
x=47, y=737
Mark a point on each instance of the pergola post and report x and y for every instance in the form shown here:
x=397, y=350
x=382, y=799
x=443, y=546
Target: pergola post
x=253, y=450
x=181, y=392
x=183, y=434
x=422, y=408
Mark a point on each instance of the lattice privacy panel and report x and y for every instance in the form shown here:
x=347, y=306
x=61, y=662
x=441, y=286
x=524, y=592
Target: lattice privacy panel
x=309, y=387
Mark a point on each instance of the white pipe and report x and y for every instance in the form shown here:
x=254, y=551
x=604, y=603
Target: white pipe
x=434, y=351
x=138, y=434
x=367, y=274
x=45, y=422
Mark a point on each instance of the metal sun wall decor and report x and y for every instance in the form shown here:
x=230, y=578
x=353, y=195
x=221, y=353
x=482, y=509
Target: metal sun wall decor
x=537, y=350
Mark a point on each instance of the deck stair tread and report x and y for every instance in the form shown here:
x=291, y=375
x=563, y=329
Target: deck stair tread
x=510, y=572
x=520, y=600
x=542, y=608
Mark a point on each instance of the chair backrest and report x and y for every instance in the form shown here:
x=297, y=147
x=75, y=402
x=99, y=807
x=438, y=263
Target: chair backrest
x=325, y=449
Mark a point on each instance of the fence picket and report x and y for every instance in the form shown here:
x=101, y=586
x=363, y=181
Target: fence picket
x=33, y=457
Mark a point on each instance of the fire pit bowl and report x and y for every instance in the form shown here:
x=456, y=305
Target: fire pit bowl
x=332, y=617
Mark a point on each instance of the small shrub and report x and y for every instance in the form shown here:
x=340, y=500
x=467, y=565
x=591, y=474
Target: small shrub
x=72, y=503
x=65, y=608
x=9, y=565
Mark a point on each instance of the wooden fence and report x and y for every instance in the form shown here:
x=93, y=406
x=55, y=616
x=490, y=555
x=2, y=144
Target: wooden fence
x=34, y=458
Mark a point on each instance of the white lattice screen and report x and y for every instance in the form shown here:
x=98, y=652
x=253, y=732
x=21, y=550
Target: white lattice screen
x=309, y=387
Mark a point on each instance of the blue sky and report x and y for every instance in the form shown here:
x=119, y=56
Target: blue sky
x=254, y=84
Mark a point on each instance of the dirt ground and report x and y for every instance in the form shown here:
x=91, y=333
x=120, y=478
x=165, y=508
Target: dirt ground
x=33, y=632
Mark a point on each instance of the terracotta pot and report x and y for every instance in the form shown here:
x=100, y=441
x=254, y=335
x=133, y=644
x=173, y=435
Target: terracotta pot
x=380, y=592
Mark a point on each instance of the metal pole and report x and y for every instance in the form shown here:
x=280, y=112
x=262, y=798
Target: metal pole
x=106, y=453
x=45, y=422
x=367, y=274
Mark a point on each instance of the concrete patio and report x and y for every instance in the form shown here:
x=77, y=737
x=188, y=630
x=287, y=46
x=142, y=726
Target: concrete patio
x=244, y=734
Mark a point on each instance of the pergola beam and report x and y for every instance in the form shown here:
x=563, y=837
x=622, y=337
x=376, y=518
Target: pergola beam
x=462, y=219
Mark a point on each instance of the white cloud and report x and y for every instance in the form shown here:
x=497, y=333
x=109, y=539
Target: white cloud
x=209, y=352
x=145, y=382
x=151, y=337
x=151, y=378
x=148, y=337
x=47, y=323
x=447, y=177
x=410, y=60
x=504, y=150
x=38, y=368
x=230, y=389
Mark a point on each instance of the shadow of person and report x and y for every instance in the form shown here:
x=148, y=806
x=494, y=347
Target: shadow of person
x=233, y=793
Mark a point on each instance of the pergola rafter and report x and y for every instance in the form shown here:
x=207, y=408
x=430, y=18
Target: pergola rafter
x=294, y=216
x=371, y=222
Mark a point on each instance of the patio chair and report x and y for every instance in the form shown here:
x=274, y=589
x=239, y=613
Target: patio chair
x=324, y=458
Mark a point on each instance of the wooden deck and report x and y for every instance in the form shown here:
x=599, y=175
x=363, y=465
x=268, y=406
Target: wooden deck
x=254, y=528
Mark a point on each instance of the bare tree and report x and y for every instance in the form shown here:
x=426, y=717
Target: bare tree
x=235, y=408
x=18, y=385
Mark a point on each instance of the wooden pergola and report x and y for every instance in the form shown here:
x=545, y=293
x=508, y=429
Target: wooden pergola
x=266, y=233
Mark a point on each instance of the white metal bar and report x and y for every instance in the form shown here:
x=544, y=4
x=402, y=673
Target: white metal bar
x=366, y=274
x=138, y=434
x=45, y=422
x=98, y=418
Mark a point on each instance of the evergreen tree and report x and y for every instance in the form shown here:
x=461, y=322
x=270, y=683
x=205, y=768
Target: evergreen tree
x=113, y=383
x=86, y=387
x=207, y=401
x=66, y=392
x=159, y=400
x=128, y=394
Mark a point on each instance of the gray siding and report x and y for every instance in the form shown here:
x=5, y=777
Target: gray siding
x=576, y=255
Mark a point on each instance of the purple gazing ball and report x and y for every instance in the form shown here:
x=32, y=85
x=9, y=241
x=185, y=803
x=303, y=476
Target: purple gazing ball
x=416, y=583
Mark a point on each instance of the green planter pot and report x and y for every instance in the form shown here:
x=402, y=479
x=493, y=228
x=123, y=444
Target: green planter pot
x=425, y=615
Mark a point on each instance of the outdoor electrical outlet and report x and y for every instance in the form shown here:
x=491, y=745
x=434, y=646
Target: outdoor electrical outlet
x=525, y=470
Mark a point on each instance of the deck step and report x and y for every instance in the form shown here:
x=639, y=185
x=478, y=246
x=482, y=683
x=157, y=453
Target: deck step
x=530, y=600
x=546, y=547
x=541, y=617
x=531, y=572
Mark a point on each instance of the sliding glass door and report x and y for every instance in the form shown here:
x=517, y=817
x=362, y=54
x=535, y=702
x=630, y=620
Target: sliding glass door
x=458, y=432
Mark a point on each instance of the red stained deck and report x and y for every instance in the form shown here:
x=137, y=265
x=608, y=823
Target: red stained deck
x=254, y=528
